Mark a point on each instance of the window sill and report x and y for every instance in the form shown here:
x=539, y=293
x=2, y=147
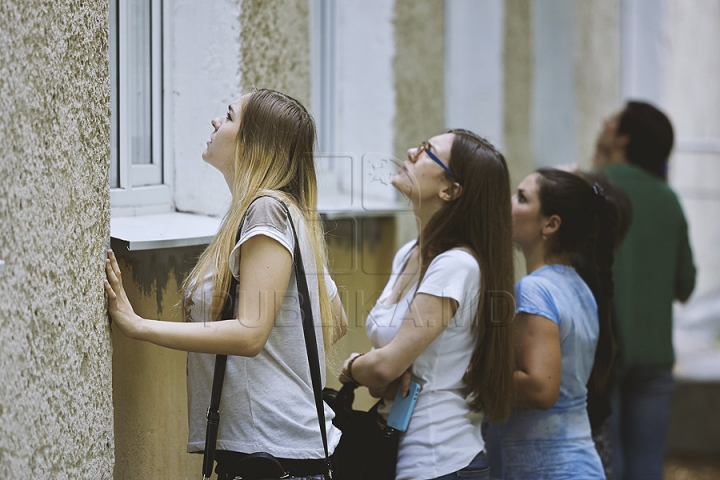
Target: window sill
x=175, y=229
x=338, y=214
x=366, y=209
x=165, y=230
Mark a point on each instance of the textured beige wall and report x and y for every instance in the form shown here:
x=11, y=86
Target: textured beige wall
x=596, y=77
x=518, y=64
x=597, y=71
x=419, y=68
x=56, y=417
x=275, y=45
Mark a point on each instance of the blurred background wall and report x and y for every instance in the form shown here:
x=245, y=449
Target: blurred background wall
x=537, y=77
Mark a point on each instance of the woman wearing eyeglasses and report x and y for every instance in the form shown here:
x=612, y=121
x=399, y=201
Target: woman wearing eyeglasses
x=435, y=318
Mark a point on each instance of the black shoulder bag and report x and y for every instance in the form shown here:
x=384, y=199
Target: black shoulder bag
x=368, y=448
x=261, y=465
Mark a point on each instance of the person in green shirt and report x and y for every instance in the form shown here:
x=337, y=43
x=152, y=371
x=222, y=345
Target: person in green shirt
x=653, y=267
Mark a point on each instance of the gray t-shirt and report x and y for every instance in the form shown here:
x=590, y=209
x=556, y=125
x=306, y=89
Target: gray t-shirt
x=267, y=401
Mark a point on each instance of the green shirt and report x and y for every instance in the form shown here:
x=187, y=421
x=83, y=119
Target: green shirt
x=653, y=266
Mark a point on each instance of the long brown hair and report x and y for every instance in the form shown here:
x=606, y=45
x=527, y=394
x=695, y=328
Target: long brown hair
x=273, y=156
x=480, y=220
x=588, y=233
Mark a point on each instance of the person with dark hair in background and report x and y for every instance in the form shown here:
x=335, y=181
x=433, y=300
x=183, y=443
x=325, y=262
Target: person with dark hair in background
x=654, y=265
x=566, y=230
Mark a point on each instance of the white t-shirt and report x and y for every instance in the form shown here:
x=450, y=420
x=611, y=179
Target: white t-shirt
x=267, y=402
x=440, y=439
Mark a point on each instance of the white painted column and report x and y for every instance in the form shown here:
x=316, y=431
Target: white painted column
x=553, y=113
x=474, y=81
x=355, y=114
x=204, y=67
x=643, y=49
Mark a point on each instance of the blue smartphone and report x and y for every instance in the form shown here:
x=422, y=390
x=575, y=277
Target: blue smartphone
x=402, y=408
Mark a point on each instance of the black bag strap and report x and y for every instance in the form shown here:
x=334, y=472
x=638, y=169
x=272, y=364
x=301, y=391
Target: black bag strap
x=310, y=339
x=213, y=412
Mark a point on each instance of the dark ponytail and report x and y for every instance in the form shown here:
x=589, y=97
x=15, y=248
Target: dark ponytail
x=588, y=234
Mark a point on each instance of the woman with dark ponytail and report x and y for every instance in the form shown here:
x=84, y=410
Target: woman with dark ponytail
x=440, y=319
x=566, y=230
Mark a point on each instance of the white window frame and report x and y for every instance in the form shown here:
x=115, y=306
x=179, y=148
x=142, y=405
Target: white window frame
x=143, y=188
x=349, y=171
x=323, y=64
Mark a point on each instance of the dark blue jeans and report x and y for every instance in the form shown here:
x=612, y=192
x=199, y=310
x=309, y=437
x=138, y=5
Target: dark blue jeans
x=478, y=469
x=638, y=423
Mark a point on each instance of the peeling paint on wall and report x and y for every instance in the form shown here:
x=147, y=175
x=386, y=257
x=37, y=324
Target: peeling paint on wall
x=152, y=269
x=56, y=417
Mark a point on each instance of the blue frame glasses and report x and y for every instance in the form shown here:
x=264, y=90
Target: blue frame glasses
x=425, y=147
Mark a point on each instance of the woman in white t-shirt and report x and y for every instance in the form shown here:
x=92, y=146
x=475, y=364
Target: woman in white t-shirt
x=263, y=146
x=445, y=313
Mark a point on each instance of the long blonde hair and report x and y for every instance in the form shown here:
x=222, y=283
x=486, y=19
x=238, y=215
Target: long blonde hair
x=273, y=156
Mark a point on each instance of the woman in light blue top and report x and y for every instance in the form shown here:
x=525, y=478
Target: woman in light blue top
x=566, y=231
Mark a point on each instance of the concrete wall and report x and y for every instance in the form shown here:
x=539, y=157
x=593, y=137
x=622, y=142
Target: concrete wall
x=419, y=72
x=56, y=417
x=150, y=396
x=562, y=78
x=418, y=69
x=275, y=45
x=597, y=72
x=518, y=74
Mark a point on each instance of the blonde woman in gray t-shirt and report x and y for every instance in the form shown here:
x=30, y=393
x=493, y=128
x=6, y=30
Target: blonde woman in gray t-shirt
x=263, y=147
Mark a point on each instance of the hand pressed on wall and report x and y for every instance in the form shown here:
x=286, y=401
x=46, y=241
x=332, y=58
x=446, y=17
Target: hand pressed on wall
x=119, y=308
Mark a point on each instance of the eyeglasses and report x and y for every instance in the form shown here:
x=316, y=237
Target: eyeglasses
x=425, y=147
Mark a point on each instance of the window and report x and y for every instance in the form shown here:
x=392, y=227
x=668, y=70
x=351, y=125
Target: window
x=353, y=97
x=137, y=178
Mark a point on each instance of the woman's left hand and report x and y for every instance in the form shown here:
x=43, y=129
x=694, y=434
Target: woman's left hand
x=389, y=391
x=119, y=307
x=345, y=376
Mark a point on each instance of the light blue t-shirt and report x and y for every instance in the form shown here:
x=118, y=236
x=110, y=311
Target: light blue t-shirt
x=554, y=443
